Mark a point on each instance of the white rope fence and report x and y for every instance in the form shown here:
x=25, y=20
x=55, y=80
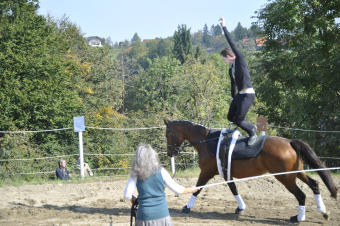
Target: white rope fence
x=159, y=127
x=62, y=156
x=305, y=130
x=110, y=154
x=126, y=129
x=36, y=131
x=131, y=154
x=32, y=173
x=32, y=159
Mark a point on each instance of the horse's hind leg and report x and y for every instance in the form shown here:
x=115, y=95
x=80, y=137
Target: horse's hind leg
x=289, y=181
x=314, y=185
x=241, y=205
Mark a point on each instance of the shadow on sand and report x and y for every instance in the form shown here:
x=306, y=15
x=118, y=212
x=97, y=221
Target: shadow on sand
x=173, y=213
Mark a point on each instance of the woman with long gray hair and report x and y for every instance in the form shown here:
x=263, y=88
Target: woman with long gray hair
x=150, y=179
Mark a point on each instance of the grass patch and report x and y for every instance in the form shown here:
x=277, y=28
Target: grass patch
x=188, y=173
x=16, y=182
x=76, y=179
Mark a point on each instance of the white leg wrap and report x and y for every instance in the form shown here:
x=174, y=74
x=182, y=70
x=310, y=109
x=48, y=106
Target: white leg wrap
x=241, y=204
x=319, y=203
x=191, y=202
x=301, y=213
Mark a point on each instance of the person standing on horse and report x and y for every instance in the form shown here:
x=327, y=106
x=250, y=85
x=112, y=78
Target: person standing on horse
x=150, y=179
x=240, y=80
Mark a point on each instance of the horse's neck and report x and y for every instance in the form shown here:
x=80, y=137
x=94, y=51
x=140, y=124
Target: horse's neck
x=193, y=134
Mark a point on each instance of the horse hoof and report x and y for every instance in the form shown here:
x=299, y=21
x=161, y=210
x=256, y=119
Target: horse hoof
x=294, y=219
x=185, y=209
x=326, y=216
x=239, y=211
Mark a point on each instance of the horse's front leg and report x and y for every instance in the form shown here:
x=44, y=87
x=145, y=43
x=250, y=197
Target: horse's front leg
x=241, y=205
x=202, y=180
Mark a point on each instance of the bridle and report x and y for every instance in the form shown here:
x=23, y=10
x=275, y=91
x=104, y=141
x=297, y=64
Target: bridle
x=191, y=144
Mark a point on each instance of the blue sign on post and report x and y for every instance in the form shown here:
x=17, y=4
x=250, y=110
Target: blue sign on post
x=79, y=124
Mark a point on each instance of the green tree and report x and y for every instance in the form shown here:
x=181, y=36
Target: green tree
x=240, y=32
x=182, y=43
x=203, y=91
x=206, y=37
x=254, y=31
x=197, y=38
x=299, y=68
x=36, y=87
x=216, y=30
x=158, y=48
x=135, y=38
x=152, y=89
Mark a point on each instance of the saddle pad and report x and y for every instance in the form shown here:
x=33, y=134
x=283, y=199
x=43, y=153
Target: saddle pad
x=241, y=151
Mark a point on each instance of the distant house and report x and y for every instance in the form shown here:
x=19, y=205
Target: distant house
x=259, y=42
x=96, y=41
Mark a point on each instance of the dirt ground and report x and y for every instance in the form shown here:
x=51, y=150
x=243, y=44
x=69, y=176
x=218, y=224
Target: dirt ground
x=102, y=203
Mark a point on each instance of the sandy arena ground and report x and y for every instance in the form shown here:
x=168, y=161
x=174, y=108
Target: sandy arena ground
x=102, y=203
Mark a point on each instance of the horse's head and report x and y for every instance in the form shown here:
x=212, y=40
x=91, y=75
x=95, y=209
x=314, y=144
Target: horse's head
x=174, y=138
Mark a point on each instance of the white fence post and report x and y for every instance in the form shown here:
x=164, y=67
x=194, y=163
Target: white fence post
x=81, y=154
x=79, y=126
x=173, y=169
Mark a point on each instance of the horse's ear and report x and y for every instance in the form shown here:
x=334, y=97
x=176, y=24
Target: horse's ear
x=166, y=121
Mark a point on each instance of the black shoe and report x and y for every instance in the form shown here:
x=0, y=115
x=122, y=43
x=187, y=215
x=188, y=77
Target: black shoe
x=252, y=139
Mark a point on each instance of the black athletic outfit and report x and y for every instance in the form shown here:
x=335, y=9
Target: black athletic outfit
x=240, y=79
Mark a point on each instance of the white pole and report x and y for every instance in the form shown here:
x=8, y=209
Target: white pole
x=81, y=155
x=173, y=169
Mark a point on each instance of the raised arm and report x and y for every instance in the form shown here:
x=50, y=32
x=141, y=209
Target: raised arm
x=230, y=41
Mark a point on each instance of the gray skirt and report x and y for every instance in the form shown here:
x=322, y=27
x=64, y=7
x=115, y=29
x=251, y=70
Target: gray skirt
x=165, y=221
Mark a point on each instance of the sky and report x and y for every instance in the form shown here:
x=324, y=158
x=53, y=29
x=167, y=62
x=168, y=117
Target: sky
x=121, y=19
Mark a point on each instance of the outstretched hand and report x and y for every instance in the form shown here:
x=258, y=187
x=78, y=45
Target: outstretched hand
x=192, y=189
x=222, y=21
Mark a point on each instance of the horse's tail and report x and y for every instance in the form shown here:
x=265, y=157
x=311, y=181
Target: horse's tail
x=309, y=157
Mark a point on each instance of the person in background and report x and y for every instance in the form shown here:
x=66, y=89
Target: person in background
x=240, y=79
x=61, y=172
x=86, y=167
x=150, y=179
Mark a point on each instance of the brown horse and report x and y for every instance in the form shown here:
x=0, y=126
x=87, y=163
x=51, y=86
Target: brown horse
x=277, y=155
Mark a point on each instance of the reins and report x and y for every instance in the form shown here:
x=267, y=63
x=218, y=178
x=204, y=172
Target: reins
x=194, y=143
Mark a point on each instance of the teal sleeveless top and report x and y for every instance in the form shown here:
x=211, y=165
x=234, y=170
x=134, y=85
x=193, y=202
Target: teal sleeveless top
x=151, y=198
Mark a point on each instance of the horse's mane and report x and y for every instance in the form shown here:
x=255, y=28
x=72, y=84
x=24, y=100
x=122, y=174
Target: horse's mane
x=193, y=124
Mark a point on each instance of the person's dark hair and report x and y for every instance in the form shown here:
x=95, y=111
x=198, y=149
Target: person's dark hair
x=227, y=52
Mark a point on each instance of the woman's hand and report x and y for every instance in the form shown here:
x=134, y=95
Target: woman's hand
x=192, y=189
x=133, y=199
